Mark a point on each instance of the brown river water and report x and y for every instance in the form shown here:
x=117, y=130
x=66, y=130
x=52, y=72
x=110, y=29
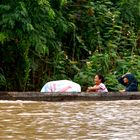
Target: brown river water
x=97, y=120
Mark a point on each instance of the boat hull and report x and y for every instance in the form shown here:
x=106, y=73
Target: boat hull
x=82, y=96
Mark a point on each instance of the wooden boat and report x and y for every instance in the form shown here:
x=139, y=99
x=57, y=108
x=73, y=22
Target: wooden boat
x=81, y=96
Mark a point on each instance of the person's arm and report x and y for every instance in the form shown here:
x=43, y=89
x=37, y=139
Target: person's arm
x=93, y=89
x=120, y=80
x=90, y=89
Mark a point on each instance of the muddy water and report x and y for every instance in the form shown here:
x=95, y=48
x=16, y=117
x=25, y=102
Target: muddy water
x=100, y=120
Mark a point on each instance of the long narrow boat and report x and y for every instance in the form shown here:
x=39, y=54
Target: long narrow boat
x=82, y=96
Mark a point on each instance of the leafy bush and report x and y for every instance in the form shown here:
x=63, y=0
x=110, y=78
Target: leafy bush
x=43, y=40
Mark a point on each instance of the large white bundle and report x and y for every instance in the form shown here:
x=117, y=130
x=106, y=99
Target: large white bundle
x=61, y=86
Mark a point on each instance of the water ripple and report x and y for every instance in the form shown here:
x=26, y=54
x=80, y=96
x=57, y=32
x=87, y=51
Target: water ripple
x=102, y=120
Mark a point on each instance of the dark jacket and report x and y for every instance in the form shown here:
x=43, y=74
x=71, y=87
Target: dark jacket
x=132, y=85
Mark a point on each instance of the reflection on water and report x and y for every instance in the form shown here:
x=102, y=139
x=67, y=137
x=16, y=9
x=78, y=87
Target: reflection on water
x=101, y=120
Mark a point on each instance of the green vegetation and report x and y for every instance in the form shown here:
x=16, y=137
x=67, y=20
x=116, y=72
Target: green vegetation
x=43, y=40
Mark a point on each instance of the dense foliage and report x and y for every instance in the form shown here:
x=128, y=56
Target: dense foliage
x=43, y=40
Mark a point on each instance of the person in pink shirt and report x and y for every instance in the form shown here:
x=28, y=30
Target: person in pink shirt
x=99, y=86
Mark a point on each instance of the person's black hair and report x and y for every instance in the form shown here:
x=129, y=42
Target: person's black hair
x=101, y=78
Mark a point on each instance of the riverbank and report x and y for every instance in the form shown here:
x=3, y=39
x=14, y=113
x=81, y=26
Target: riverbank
x=82, y=96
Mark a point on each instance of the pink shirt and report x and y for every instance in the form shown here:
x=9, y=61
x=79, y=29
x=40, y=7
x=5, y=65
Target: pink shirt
x=102, y=88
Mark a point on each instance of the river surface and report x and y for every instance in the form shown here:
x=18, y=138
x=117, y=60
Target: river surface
x=97, y=120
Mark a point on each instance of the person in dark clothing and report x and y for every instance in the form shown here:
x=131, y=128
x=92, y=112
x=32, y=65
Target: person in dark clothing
x=129, y=81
